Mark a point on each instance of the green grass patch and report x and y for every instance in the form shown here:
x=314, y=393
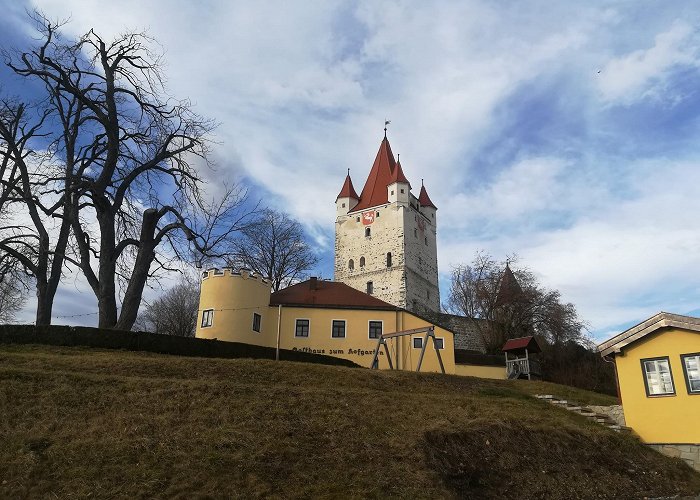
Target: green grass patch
x=80, y=422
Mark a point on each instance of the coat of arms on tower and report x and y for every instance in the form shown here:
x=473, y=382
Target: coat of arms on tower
x=368, y=217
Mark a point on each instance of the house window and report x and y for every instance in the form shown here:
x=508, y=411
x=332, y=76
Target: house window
x=362, y=262
x=691, y=367
x=418, y=342
x=375, y=329
x=207, y=318
x=370, y=287
x=388, y=259
x=439, y=343
x=338, y=329
x=658, y=379
x=302, y=328
x=256, y=322
x=351, y=264
x=368, y=231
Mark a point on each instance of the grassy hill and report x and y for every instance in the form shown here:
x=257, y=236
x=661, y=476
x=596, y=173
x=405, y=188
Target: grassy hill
x=78, y=422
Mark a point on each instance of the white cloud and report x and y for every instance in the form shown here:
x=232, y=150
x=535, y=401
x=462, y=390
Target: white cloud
x=644, y=72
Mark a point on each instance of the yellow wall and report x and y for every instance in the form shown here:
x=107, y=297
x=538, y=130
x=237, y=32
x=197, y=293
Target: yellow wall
x=234, y=299
x=496, y=372
x=660, y=419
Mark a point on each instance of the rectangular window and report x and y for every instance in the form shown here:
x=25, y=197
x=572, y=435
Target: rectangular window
x=338, y=330
x=375, y=329
x=256, y=322
x=207, y=317
x=302, y=328
x=691, y=367
x=439, y=343
x=658, y=380
x=370, y=287
x=418, y=342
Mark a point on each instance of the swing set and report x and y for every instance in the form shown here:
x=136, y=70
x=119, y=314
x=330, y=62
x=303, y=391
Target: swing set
x=429, y=332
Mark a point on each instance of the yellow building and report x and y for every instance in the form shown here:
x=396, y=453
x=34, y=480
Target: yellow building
x=658, y=373
x=322, y=317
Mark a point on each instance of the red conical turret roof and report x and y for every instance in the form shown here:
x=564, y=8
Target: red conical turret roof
x=348, y=190
x=397, y=175
x=374, y=193
x=424, y=199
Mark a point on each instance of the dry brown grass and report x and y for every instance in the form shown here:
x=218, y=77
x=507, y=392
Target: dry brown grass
x=78, y=422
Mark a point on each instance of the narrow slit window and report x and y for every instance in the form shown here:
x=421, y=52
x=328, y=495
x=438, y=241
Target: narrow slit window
x=368, y=231
x=351, y=264
x=370, y=287
x=388, y=259
x=256, y=322
x=362, y=262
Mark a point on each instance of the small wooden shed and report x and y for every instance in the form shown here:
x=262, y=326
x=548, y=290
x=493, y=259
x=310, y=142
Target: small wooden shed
x=519, y=360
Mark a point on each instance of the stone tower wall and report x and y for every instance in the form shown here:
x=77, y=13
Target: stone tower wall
x=412, y=280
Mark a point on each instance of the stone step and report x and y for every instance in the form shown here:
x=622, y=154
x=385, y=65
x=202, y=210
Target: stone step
x=544, y=396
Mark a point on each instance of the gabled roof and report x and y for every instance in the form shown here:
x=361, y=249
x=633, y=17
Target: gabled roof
x=653, y=324
x=331, y=294
x=528, y=343
x=348, y=190
x=424, y=199
x=375, y=193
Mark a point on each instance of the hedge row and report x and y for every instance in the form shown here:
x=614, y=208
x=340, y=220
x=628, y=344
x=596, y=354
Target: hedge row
x=465, y=357
x=152, y=342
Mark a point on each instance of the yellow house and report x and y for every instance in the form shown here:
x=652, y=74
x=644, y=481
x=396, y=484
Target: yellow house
x=322, y=317
x=658, y=373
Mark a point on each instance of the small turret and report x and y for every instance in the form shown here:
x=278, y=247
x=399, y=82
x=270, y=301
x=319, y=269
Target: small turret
x=398, y=189
x=427, y=207
x=347, y=198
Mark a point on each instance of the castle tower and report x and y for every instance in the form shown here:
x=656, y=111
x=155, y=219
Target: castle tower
x=385, y=238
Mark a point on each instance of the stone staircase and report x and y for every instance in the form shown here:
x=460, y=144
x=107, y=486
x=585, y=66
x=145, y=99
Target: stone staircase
x=591, y=415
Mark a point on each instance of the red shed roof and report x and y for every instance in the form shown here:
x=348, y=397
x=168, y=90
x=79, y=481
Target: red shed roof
x=348, y=191
x=319, y=293
x=374, y=193
x=522, y=343
x=424, y=199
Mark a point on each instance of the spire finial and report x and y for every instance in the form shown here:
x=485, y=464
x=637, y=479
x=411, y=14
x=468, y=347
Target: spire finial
x=421, y=182
x=386, y=122
x=398, y=157
x=348, y=172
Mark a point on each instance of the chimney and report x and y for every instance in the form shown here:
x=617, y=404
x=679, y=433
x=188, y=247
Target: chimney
x=313, y=283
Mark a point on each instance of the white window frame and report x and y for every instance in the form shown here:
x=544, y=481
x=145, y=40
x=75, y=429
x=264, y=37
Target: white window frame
x=688, y=381
x=345, y=328
x=259, y=322
x=308, y=333
x=441, y=339
x=369, y=323
x=656, y=363
x=209, y=314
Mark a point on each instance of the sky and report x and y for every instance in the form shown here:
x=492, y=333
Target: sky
x=563, y=132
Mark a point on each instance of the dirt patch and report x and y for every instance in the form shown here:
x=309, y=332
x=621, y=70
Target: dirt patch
x=507, y=460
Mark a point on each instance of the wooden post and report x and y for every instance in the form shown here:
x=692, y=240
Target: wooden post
x=527, y=362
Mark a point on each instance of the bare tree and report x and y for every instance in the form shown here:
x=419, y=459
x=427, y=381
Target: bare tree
x=513, y=304
x=129, y=185
x=274, y=246
x=173, y=313
x=13, y=288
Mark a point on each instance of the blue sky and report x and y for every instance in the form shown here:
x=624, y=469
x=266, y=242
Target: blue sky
x=565, y=132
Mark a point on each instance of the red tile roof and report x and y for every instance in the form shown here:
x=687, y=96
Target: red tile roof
x=424, y=199
x=397, y=175
x=375, y=191
x=521, y=343
x=319, y=293
x=348, y=190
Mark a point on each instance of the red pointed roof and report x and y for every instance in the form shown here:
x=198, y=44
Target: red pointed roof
x=375, y=193
x=424, y=199
x=398, y=176
x=528, y=343
x=348, y=190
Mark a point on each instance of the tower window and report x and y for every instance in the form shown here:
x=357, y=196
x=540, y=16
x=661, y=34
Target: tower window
x=388, y=259
x=426, y=240
x=402, y=191
x=351, y=264
x=377, y=213
x=343, y=205
x=370, y=287
x=358, y=219
x=415, y=233
x=256, y=322
x=392, y=192
x=368, y=231
x=207, y=318
x=428, y=294
x=362, y=262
